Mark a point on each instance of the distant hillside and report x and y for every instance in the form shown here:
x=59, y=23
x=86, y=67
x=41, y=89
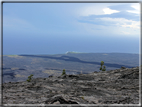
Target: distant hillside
x=19, y=67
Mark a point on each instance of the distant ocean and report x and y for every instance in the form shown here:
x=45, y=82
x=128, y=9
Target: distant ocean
x=60, y=45
x=54, y=53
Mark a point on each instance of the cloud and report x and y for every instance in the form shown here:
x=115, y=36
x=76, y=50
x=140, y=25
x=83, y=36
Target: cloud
x=99, y=9
x=84, y=18
x=92, y=10
x=123, y=22
x=134, y=24
x=126, y=33
x=110, y=27
x=136, y=8
x=109, y=11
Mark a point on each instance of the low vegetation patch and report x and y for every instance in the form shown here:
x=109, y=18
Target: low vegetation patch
x=64, y=72
x=29, y=78
x=103, y=68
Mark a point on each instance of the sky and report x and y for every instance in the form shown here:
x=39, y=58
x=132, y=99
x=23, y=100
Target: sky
x=56, y=28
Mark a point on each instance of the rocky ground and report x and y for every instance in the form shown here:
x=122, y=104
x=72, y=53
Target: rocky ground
x=120, y=86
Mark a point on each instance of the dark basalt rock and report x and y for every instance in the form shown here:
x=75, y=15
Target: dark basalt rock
x=50, y=76
x=123, y=67
x=73, y=76
x=60, y=99
x=120, y=86
x=134, y=74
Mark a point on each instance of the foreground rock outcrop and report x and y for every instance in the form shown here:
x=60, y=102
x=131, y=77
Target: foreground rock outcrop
x=120, y=86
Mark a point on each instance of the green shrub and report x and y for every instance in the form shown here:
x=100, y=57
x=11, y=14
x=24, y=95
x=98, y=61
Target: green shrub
x=103, y=68
x=64, y=72
x=29, y=78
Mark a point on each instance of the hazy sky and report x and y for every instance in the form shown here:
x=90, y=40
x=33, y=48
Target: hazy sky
x=51, y=28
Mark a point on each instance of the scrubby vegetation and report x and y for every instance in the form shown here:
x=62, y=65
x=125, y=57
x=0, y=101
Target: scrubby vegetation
x=103, y=68
x=64, y=72
x=29, y=78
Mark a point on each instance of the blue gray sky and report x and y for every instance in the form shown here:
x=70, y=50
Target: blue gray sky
x=55, y=28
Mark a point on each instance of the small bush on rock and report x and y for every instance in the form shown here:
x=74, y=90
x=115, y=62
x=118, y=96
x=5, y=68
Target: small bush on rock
x=82, y=97
x=64, y=72
x=103, y=68
x=29, y=78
